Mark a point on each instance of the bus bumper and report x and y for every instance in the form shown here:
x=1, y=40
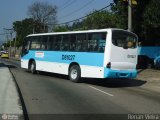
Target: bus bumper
x=109, y=73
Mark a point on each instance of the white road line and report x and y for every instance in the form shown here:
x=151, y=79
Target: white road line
x=101, y=90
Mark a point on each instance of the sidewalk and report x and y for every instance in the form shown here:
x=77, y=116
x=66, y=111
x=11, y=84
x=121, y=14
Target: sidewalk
x=10, y=103
x=152, y=78
x=150, y=75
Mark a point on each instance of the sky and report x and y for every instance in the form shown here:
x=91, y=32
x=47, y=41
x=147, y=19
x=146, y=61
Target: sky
x=16, y=10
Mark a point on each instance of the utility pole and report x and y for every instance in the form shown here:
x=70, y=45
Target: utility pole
x=130, y=15
x=11, y=32
x=6, y=39
x=15, y=45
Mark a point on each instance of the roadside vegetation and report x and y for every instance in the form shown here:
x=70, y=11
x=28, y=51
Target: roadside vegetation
x=42, y=17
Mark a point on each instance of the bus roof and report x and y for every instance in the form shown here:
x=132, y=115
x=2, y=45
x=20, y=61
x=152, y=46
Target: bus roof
x=74, y=32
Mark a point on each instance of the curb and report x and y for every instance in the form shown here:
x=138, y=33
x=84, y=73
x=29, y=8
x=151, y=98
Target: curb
x=10, y=102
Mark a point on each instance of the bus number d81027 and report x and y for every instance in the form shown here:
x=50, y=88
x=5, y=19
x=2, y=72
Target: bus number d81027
x=68, y=57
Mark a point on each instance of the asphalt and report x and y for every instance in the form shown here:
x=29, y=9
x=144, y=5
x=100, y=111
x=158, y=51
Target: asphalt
x=10, y=102
x=50, y=95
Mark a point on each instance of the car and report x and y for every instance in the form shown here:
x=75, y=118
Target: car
x=157, y=62
x=4, y=54
x=1, y=52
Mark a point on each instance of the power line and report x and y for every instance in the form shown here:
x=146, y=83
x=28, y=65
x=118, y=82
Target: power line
x=83, y=16
x=67, y=5
x=78, y=9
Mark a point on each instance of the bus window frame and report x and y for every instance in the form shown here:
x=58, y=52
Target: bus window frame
x=126, y=34
x=71, y=42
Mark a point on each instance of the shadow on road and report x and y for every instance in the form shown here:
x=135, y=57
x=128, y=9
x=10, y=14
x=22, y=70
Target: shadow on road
x=115, y=83
x=111, y=83
x=52, y=74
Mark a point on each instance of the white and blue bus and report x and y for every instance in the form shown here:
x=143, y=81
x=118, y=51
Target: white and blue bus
x=104, y=53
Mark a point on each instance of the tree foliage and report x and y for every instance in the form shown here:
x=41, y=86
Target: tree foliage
x=151, y=20
x=100, y=19
x=23, y=28
x=120, y=10
x=95, y=20
x=145, y=19
x=63, y=28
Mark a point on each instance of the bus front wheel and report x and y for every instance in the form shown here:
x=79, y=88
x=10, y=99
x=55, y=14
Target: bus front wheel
x=32, y=67
x=75, y=73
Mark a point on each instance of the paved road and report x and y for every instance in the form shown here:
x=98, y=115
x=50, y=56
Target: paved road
x=49, y=95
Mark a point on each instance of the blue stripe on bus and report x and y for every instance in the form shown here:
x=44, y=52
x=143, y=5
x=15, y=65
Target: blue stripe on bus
x=109, y=73
x=82, y=58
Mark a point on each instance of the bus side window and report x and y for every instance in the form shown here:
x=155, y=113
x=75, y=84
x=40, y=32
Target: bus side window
x=101, y=49
x=90, y=42
x=65, y=43
x=102, y=42
x=44, y=42
x=72, y=42
x=50, y=42
x=57, y=42
x=35, y=43
x=56, y=47
x=79, y=42
x=96, y=42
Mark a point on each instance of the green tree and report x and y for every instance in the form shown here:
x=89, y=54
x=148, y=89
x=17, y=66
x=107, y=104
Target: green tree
x=22, y=28
x=145, y=19
x=151, y=20
x=99, y=20
x=62, y=28
x=26, y=27
x=120, y=10
x=138, y=20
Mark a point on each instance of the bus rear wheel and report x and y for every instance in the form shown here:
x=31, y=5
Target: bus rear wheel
x=75, y=73
x=32, y=67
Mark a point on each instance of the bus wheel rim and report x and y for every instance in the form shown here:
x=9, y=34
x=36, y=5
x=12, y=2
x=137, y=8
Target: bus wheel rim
x=74, y=74
x=32, y=67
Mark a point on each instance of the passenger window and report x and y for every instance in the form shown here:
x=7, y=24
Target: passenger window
x=57, y=42
x=96, y=42
x=65, y=43
x=35, y=43
x=50, y=42
x=44, y=42
x=73, y=42
x=79, y=42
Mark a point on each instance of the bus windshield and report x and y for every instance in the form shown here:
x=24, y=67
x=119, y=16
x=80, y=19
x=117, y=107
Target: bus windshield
x=124, y=39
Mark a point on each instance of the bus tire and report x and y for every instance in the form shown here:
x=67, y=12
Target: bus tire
x=32, y=67
x=75, y=73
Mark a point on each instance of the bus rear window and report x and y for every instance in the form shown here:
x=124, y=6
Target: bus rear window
x=124, y=39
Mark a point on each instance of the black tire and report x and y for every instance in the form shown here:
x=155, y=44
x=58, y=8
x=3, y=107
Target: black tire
x=75, y=73
x=32, y=67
